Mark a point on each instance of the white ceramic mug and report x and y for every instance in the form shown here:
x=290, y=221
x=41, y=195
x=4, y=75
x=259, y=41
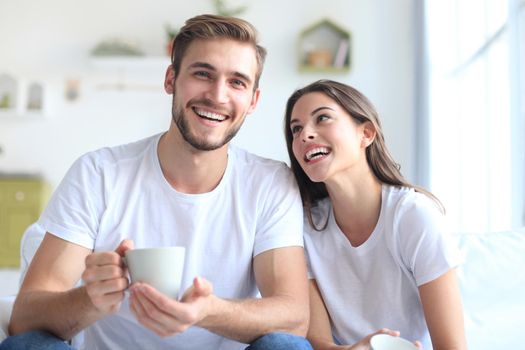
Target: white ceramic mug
x=159, y=267
x=388, y=342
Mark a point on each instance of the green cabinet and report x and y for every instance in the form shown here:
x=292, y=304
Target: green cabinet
x=21, y=202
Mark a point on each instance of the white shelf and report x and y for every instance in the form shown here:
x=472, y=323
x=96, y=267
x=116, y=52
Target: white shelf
x=129, y=73
x=17, y=116
x=129, y=62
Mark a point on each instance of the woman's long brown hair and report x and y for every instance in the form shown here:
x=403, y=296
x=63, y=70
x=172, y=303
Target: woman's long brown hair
x=383, y=166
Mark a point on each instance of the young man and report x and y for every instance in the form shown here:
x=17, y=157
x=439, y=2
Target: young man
x=238, y=215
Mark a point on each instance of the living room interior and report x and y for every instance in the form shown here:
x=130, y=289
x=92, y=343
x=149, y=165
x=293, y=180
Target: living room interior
x=448, y=81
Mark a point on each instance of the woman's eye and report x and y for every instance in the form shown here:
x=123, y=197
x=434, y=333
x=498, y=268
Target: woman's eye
x=322, y=117
x=295, y=129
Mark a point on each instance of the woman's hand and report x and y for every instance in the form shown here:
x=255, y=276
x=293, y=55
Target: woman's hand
x=364, y=344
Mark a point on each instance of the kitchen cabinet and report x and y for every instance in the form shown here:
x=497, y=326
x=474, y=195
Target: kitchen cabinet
x=21, y=202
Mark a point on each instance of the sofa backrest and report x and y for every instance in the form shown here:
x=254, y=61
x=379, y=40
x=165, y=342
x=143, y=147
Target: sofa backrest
x=492, y=282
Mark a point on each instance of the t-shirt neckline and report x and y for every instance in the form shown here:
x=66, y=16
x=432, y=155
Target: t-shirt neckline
x=374, y=237
x=153, y=155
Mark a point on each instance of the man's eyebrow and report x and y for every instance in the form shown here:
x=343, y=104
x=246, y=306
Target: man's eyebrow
x=243, y=76
x=202, y=65
x=208, y=66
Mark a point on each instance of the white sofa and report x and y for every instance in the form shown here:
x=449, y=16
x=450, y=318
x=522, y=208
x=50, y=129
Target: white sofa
x=492, y=281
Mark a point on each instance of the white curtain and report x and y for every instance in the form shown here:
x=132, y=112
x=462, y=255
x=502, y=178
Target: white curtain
x=474, y=133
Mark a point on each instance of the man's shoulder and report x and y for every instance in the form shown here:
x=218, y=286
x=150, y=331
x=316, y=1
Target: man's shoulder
x=247, y=160
x=261, y=173
x=113, y=155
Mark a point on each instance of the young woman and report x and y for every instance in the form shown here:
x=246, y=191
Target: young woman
x=376, y=245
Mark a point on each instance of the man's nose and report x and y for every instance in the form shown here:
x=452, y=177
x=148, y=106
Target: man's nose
x=218, y=92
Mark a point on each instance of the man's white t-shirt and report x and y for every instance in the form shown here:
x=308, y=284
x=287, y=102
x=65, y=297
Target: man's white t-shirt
x=375, y=285
x=120, y=193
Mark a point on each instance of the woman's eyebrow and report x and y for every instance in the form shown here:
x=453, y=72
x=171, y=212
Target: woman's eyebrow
x=319, y=109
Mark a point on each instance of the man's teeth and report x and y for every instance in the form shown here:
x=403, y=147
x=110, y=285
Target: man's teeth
x=316, y=153
x=210, y=115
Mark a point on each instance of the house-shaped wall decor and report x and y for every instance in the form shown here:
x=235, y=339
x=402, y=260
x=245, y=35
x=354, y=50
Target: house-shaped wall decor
x=324, y=47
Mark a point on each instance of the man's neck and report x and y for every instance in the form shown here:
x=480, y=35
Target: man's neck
x=189, y=170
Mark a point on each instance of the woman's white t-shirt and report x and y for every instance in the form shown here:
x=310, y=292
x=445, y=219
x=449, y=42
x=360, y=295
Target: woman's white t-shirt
x=375, y=285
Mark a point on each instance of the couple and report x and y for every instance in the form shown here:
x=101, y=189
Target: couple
x=375, y=249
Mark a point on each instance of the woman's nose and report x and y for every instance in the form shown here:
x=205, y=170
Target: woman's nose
x=308, y=134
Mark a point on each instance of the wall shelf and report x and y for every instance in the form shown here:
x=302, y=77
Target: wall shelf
x=139, y=73
x=324, y=47
x=129, y=62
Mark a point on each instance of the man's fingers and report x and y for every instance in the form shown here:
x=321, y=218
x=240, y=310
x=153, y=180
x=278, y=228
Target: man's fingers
x=109, y=258
x=152, y=298
x=106, y=287
x=102, y=273
x=180, y=313
x=106, y=303
x=202, y=287
x=146, y=313
x=124, y=246
x=104, y=258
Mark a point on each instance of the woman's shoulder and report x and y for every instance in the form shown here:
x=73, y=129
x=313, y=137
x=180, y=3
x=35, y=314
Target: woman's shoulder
x=406, y=200
x=409, y=210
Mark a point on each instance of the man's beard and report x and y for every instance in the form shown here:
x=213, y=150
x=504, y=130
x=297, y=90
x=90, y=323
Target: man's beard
x=177, y=114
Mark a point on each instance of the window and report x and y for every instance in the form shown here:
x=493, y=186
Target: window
x=476, y=111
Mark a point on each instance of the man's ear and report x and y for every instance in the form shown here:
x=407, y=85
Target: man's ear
x=255, y=100
x=169, y=80
x=369, y=134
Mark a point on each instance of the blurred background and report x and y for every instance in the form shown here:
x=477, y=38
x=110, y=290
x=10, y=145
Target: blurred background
x=447, y=77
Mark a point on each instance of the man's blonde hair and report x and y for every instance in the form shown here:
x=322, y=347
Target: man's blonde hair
x=213, y=27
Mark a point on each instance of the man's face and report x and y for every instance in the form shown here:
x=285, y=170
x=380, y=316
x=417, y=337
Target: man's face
x=213, y=92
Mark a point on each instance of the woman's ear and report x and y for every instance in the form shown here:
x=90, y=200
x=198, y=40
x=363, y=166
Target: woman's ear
x=169, y=80
x=369, y=134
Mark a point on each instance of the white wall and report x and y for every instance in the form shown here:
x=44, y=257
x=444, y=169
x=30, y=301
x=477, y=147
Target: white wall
x=50, y=41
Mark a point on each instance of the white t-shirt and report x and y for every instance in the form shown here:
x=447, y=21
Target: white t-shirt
x=120, y=193
x=365, y=288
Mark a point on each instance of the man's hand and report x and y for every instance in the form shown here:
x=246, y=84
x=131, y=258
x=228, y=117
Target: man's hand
x=106, y=279
x=165, y=316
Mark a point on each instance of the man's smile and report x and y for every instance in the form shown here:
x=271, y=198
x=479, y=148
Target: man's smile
x=209, y=115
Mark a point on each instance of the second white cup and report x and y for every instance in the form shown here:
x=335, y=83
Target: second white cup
x=388, y=342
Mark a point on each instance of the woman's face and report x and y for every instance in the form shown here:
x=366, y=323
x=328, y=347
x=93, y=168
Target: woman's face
x=327, y=142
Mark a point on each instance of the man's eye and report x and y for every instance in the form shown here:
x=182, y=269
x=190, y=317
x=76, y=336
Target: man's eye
x=238, y=83
x=202, y=74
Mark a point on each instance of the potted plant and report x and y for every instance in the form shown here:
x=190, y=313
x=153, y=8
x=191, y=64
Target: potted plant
x=171, y=33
